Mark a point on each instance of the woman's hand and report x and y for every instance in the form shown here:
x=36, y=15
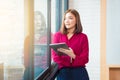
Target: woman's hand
x=68, y=52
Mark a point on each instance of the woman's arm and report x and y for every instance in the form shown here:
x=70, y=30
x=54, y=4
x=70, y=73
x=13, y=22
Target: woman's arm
x=61, y=60
x=83, y=58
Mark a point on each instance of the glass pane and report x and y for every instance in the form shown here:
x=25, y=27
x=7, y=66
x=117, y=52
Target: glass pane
x=11, y=39
x=53, y=20
x=53, y=16
x=40, y=37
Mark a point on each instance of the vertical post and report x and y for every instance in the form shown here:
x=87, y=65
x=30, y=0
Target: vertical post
x=49, y=30
x=29, y=24
x=66, y=5
x=1, y=71
x=103, y=41
x=58, y=14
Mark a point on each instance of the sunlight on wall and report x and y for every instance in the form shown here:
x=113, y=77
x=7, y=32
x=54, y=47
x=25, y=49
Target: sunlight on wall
x=11, y=31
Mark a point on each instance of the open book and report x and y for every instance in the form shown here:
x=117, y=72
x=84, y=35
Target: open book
x=55, y=46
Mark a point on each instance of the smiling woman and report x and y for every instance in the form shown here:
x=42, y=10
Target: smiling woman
x=77, y=56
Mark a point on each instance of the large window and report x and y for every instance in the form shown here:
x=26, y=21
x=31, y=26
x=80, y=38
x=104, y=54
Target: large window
x=25, y=36
x=37, y=20
x=11, y=39
x=40, y=37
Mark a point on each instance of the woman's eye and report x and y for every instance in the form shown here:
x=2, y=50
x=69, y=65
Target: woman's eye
x=70, y=18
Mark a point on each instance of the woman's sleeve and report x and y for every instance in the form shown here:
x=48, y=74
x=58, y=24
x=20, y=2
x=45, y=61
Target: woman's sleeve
x=83, y=58
x=60, y=60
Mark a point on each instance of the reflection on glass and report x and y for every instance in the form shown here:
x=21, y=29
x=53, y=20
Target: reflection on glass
x=40, y=43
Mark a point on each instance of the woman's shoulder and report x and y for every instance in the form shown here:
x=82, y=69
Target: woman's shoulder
x=58, y=33
x=82, y=34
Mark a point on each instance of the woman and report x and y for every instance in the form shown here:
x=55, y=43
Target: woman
x=72, y=66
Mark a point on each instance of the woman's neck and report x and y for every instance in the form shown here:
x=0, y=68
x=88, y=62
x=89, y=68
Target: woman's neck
x=70, y=33
x=71, y=30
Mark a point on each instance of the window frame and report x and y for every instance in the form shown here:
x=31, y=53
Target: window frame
x=29, y=23
x=61, y=7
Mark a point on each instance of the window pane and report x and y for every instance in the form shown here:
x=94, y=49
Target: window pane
x=53, y=20
x=40, y=37
x=11, y=39
x=53, y=16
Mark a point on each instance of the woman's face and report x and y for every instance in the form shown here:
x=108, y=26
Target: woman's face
x=39, y=28
x=70, y=21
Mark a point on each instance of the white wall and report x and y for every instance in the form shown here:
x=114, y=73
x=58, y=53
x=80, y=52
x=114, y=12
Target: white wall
x=90, y=17
x=113, y=31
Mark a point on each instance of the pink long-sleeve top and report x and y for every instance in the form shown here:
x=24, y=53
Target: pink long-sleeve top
x=78, y=43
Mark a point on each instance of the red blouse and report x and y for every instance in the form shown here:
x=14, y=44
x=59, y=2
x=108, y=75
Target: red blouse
x=78, y=43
